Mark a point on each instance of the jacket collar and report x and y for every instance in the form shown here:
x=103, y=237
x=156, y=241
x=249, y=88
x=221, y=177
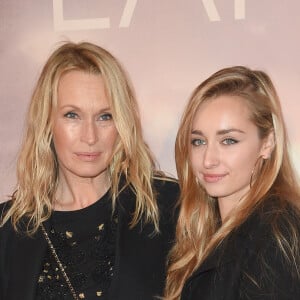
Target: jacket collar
x=27, y=253
x=231, y=247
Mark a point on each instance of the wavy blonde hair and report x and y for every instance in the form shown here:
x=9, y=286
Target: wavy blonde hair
x=198, y=230
x=37, y=170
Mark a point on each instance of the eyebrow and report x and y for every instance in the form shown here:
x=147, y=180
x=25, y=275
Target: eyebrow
x=219, y=132
x=72, y=106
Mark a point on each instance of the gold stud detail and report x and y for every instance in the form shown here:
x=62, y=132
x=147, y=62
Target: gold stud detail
x=69, y=234
x=100, y=227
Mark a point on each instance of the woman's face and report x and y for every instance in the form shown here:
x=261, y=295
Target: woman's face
x=84, y=133
x=225, y=146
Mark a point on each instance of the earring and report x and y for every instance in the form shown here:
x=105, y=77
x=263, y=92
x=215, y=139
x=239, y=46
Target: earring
x=254, y=171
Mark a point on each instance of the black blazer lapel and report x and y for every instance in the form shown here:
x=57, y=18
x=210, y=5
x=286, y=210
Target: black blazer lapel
x=226, y=252
x=140, y=259
x=27, y=253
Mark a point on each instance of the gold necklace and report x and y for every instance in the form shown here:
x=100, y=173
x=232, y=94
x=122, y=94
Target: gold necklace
x=62, y=269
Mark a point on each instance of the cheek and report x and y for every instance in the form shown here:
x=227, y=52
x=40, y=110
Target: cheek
x=62, y=137
x=109, y=137
x=195, y=160
x=244, y=165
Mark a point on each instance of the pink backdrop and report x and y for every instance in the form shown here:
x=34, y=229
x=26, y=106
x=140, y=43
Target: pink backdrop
x=168, y=47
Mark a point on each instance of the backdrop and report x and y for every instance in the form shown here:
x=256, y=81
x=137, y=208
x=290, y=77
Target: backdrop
x=167, y=46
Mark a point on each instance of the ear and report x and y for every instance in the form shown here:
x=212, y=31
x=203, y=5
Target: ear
x=268, y=145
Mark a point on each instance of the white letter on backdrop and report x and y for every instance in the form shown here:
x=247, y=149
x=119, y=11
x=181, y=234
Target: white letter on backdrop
x=127, y=13
x=239, y=9
x=60, y=24
x=211, y=10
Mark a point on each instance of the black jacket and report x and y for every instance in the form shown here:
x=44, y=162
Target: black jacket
x=248, y=265
x=140, y=255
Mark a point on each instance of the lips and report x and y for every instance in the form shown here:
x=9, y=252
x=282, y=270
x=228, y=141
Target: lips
x=212, y=178
x=88, y=156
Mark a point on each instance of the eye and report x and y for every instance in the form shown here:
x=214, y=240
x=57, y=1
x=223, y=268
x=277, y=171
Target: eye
x=105, y=117
x=229, y=141
x=198, y=142
x=71, y=115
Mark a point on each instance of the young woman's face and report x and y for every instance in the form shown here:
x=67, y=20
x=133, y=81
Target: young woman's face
x=84, y=133
x=225, y=146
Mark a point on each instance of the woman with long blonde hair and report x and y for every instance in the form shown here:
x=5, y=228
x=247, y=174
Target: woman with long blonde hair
x=238, y=233
x=91, y=217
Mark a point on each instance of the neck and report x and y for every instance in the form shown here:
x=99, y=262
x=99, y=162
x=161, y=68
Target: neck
x=77, y=193
x=227, y=204
x=224, y=208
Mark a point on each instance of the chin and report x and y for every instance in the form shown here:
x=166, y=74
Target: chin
x=89, y=173
x=215, y=194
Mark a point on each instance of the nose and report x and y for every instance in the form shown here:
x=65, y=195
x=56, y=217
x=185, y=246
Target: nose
x=89, y=132
x=211, y=156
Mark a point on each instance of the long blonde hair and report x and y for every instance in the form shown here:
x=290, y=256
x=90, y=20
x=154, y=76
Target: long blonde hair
x=37, y=170
x=198, y=229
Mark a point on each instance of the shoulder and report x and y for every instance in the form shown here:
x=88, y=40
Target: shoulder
x=6, y=224
x=167, y=194
x=166, y=191
x=271, y=249
x=6, y=229
x=274, y=216
x=166, y=185
x=4, y=207
x=271, y=235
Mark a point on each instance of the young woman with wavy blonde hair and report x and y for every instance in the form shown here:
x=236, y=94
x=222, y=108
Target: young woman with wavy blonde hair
x=91, y=215
x=238, y=233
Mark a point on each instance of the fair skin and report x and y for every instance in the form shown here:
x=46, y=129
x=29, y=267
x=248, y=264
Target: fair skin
x=225, y=146
x=84, y=135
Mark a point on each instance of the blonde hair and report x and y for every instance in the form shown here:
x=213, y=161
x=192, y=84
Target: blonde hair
x=132, y=163
x=198, y=229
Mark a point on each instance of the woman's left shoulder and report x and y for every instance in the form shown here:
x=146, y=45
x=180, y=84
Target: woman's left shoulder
x=165, y=184
x=166, y=190
x=273, y=221
x=280, y=214
x=271, y=252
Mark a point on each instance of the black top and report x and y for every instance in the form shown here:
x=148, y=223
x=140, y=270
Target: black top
x=140, y=255
x=84, y=241
x=249, y=264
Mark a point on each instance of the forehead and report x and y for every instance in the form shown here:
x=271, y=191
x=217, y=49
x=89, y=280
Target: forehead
x=223, y=112
x=72, y=77
x=81, y=86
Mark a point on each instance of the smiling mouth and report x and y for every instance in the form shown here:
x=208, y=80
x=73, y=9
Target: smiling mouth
x=211, y=178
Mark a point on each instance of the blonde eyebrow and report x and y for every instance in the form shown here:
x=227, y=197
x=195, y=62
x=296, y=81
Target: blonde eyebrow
x=219, y=132
x=198, y=132
x=226, y=131
x=71, y=106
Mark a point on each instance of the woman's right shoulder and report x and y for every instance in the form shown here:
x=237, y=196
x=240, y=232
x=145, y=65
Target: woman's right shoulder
x=7, y=226
x=4, y=207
